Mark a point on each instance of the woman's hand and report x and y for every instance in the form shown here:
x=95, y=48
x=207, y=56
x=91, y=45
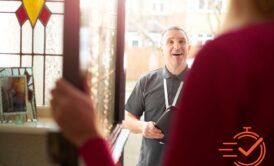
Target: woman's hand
x=74, y=112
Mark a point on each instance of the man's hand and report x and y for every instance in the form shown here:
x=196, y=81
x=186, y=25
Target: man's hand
x=136, y=126
x=150, y=131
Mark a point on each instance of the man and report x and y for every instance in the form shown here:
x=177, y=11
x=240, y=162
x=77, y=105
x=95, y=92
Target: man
x=150, y=99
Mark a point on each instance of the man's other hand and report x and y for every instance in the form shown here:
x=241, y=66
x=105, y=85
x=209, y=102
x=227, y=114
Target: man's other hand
x=150, y=131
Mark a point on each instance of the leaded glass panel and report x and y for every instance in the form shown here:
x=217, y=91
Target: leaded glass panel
x=31, y=35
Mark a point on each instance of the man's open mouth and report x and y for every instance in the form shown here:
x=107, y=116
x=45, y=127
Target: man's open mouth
x=177, y=54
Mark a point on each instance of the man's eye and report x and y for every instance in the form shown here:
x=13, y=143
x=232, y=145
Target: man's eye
x=182, y=42
x=170, y=42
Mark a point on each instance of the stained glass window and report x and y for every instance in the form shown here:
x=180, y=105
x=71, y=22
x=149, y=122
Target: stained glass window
x=31, y=35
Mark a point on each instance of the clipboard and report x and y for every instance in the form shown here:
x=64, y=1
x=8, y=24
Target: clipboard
x=163, y=123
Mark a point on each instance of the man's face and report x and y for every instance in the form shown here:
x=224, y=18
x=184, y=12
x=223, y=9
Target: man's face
x=175, y=48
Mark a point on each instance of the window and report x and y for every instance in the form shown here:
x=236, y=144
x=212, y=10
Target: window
x=31, y=36
x=158, y=7
x=210, y=5
x=219, y=5
x=135, y=43
x=154, y=8
x=202, y=4
x=161, y=7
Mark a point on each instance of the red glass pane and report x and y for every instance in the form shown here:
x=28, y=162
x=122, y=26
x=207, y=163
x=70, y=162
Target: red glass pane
x=45, y=15
x=21, y=15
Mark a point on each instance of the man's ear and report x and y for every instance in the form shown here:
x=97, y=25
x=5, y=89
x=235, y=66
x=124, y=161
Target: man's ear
x=188, y=47
x=161, y=51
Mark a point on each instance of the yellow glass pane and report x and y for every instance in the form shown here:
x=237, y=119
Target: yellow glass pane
x=33, y=9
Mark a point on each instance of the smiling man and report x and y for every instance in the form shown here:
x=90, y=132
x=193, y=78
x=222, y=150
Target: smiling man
x=155, y=92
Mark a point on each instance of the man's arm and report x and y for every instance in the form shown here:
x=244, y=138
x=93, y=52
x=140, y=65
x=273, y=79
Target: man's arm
x=135, y=125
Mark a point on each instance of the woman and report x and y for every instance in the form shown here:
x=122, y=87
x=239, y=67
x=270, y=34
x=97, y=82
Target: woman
x=230, y=86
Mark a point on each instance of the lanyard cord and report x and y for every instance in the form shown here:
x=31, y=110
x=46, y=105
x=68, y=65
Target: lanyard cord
x=176, y=96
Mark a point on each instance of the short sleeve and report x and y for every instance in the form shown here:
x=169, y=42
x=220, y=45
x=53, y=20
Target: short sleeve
x=135, y=103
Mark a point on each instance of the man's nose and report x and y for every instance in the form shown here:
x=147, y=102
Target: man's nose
x=176, y=45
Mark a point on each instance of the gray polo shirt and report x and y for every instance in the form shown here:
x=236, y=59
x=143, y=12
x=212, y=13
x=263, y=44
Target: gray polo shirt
x=148, y=98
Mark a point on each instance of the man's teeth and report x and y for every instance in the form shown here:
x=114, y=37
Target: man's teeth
x=176, y=54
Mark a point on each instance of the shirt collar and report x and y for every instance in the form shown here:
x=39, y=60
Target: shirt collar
x=166, y=74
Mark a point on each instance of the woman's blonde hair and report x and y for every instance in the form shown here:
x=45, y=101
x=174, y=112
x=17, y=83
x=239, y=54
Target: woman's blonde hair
x=243, y=12
x=265, y=8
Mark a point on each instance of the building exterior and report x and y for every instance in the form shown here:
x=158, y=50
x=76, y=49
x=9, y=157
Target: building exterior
x=146, y=19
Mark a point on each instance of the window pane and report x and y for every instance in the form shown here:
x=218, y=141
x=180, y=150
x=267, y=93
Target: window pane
x=53, y=72
x=38, y=78
x=10, y=37
x=26, y=61
x=54, y=36
x=6, y=6
x=27, y=38
x=9, y=60
x=39, y=38
x=56, y=7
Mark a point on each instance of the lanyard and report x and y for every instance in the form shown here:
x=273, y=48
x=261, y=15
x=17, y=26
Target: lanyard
x=176, y=96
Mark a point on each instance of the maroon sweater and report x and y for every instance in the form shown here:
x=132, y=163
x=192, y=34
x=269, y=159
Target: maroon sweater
x=230, y=86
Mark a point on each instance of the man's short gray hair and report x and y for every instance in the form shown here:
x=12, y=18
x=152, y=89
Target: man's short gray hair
x=174, y=28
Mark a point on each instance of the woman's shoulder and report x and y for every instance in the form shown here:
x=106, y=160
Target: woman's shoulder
x=242, y=38
x=238, y=45
x=256, y=31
